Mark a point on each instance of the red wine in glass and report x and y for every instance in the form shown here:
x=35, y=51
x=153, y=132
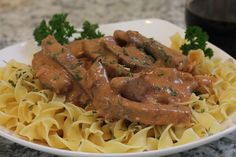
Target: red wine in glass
x=217, y=18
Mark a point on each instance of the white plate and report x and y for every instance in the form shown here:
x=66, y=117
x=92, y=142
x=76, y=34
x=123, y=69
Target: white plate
x=158, y=29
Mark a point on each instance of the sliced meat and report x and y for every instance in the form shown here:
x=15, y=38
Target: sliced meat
x=130, y=56
x=51, y=74
x=93, y=48
x=112, y=106
x=157, y=85
x=114, y=69
x=64, y=57
x=76, y=47
x=165, y=56
x=153, y=114
x=128, y=77
x=77, y=96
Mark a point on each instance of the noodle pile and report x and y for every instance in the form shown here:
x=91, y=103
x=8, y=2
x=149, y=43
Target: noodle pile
x=39, y=115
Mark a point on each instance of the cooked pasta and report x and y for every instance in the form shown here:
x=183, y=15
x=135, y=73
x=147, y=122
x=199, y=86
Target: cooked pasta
x=40, y=115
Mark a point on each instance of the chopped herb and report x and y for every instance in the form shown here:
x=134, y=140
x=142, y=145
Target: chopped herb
x=49, y=42
x=55, y=54
x=171, y=91
x=164, y=57
x=88, y=102
x=56, y=77
x=126, y=52
x=12, y=83
x=124, y=129
x=79, y=63
x=77, y=77
x=119, y=102
x=46, y=94
x=119, y=72
x=113, y=62
x=143, y=62
x=160, y=74
x=73, y=66
x=105, y=64
x=157, y=88
x=18, y=75
x=196, y=39
x=197, y=92
x=131, y=74
x=202, y=110
x=35, y=90
x=31, y=107
x=13, y=67
x=90, y=31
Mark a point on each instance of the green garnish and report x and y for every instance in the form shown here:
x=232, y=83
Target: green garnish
x=196, y=39
x=173, y=92
x=90, y=31
x=170, y=90
x=197, y=92
x=31, y=107
x=12, y=83
x=77, y=77
x=202, y=110
x=160, y=74
x=57, y=26
x=62, y=30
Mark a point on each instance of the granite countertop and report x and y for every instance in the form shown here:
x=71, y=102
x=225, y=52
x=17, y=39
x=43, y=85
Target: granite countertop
x=19, y=18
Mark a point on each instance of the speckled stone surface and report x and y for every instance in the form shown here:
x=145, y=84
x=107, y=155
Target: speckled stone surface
x=18, y=18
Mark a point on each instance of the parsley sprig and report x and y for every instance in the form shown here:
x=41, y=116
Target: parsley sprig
x=196, y=39
x=62, y=30
x=57, y=26
x=90, y=31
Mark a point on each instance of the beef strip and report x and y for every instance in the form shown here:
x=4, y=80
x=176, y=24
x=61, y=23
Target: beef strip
x=157, y=85
x=91, y=70
x=112, y=106
x=64, y=57
x=129, y=56
x=92, y=49
x=114, y=69
x=51, y=74
x=164, y=56
x=76, y=47
x=77, y=96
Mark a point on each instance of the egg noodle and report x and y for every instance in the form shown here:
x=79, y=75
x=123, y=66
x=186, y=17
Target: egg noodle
x=39, y=115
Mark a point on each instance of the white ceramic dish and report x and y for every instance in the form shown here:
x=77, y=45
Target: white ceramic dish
x=158, y=29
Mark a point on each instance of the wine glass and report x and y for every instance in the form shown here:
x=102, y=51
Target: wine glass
x=217, y=18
